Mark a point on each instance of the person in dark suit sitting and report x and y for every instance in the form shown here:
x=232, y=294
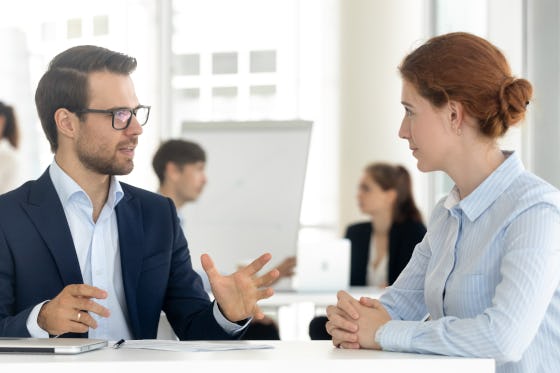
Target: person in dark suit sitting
x=82, y=254
x=382, y=247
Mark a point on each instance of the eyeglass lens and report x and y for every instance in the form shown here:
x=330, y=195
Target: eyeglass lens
x=123, y=117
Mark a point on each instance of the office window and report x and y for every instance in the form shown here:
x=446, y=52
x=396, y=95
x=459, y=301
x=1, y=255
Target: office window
x=224, y=63
x=190, y=94
x=186, y=64
x=262, y=100
x=48, y=31
x=100, y=25
x=224, y=102
x=38, y=30
x=186, y=103
x=74, y=28
x=263, y=90
x=263, y=62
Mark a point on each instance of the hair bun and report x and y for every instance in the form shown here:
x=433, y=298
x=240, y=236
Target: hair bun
x=514, y=97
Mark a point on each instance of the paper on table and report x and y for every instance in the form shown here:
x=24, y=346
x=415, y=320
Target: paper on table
x=191, y=346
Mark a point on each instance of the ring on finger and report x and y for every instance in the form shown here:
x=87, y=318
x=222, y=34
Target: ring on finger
x=79, y=316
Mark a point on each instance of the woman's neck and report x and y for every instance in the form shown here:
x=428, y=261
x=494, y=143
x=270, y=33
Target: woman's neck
x=382, y=222
x=473, y=165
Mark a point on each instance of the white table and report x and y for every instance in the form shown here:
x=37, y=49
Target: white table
x=284, y=357
x=294, y=310
x=319, y=299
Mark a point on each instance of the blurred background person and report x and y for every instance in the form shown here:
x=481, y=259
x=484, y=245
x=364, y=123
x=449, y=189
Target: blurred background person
x=180, y=167
x=382, y=246
x=9, y=142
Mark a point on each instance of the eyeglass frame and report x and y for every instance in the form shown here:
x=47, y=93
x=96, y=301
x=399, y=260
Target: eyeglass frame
x=132, y=111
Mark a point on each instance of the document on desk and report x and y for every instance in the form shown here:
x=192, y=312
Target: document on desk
x=191, y=346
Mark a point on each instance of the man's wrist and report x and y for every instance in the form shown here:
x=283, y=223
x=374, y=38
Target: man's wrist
x=42, y=318
x=33, y=327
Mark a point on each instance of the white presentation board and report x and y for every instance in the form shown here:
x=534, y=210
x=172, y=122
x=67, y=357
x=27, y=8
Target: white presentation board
x=252, y=201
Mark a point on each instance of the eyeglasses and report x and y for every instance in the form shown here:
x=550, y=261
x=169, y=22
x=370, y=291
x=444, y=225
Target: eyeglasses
x=121, y=117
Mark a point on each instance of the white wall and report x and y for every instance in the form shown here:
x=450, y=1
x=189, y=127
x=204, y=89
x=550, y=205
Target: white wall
x=15, y=90
x=543, y=70
x=375, y=36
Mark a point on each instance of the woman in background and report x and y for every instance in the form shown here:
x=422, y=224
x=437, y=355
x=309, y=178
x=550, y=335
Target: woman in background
x=381, y=247
x=9, y=142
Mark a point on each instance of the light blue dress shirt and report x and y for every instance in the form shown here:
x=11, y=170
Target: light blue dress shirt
x=97, y=249
x=487, y=273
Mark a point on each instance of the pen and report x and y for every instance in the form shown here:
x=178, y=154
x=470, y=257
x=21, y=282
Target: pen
x=118, y=344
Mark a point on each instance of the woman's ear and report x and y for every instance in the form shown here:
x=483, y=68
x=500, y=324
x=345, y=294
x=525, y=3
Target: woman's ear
x=456, y=116
x=391, y=195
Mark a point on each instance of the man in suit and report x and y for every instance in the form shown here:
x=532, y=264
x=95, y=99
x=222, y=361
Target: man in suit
x=82, y=254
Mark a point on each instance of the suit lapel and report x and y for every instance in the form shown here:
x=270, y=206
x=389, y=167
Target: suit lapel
x=47, y=214
x=131, y=236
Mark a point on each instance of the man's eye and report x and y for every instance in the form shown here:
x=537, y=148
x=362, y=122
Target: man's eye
x=122, y=115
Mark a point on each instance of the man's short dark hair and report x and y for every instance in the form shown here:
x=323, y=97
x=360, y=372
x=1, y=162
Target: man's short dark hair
x=179, y=152
x=65, y=83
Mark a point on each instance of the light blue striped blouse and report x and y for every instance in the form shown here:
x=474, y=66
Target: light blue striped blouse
x=488, y=274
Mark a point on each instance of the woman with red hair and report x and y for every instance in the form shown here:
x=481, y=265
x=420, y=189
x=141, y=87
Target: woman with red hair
x=484, y=281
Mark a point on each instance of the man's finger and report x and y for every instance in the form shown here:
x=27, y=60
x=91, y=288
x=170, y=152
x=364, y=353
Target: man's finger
x=84, y=290
x=265, y=293
x=87, y=305
x=258, y=314
x=257, y=264
x=267, y=278
x=208, y=265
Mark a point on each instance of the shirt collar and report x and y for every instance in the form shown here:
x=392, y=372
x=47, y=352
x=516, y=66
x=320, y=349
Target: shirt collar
x=489, y=190
x=66, y=187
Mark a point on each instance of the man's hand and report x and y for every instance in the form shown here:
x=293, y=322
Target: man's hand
x=353, y=323
x=286, y=268
x=69, y=311
x=238, y=293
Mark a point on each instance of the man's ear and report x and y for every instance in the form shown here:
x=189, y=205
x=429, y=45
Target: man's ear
x=66, y=122
x=172, y=171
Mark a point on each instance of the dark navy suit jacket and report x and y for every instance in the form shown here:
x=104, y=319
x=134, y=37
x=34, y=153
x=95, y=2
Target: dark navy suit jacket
x=38, y=259
x=403, y=238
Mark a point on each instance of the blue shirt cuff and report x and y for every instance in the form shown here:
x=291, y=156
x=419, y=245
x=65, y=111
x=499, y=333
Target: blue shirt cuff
x=396, y=335
x=32, y=326
x=230, y=327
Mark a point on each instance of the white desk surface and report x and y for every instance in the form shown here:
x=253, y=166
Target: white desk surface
x=319, y=299
x=286, y=357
